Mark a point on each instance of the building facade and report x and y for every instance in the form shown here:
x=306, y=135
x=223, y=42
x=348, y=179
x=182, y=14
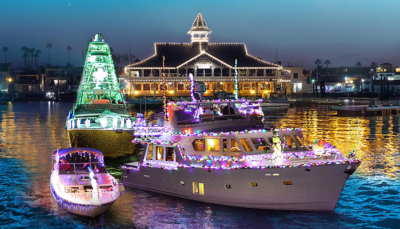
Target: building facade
x=215, y=64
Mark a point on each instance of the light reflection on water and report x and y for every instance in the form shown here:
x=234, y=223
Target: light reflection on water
x=32, y=131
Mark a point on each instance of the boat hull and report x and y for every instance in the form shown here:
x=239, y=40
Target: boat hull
x=307, y=189
x=80, y=209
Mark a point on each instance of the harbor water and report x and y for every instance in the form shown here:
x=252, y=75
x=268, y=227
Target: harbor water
x=31, y=131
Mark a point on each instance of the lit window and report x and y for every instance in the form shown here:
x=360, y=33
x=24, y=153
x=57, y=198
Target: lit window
x=225, y=144
x=199, y=144
x=170, y=154
x=253, y=184
x=159, y=153
x=213, y=145
x=150, y=152
x=290, y=142
x=201, y=189
x=195, y=188
x=299, y=140
x=235, y=146
x=287, y=183
x=245, y=144
x=260, y=144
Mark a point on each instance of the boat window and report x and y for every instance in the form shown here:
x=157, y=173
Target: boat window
x=150, y=152
x=260, y=144
x=170, y=154
x=270, y=140
x=213, y=145
x=253, y=184
x=159, y=153
x=245, y=144
x=290, y=142
x=199, y=144
x=201, y=189
x=287, y=183
x=195, y=188
x=299, y=140
x=225, y=144
x=235, y=146
x=66, y=167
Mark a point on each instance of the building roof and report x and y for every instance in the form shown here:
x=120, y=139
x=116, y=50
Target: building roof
x=177, y=55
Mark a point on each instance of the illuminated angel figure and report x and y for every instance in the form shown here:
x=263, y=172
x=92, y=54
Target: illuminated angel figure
x=100, y=75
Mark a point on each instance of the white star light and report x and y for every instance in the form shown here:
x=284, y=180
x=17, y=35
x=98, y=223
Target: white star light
x=100, y=75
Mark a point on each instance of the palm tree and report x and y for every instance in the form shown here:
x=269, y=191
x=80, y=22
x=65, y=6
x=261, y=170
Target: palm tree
x=317, y=62
x=69, y=49
x=25, y=57
x=32, y=51
x=24, y=49
x=327, y=62
x=38, y=52
x=36, y=55
x=358, y=64
x=5, y=50
x=49, y=45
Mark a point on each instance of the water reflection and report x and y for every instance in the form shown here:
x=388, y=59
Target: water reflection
x=32, y=131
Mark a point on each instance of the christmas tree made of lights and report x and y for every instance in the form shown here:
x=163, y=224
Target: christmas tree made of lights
x=99, y=81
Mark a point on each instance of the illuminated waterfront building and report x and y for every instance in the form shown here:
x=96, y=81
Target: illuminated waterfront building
x=211, y=63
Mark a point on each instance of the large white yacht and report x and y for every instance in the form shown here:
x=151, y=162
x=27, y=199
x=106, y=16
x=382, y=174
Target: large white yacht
x=219, y=158
x=80, y=183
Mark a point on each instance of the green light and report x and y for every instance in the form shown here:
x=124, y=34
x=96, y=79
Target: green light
x=99, y=81
x=313, y=81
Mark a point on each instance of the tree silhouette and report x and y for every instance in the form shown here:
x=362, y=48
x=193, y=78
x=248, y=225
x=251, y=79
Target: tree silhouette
x=37, y=54
x=327, y=62
x=24, y=49
x=374, y=65
x=317, y=62
x=358, y=64
x=5, y=50
x=31, y=51
x=49, y=46
x=69, y=49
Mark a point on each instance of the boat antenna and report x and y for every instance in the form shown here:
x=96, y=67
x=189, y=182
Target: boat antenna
x=164, y=88
x=236, y=81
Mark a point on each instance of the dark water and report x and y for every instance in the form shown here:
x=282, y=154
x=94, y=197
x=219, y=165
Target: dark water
x=30, y=132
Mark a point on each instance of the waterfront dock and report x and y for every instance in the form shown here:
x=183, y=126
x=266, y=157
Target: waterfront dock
x=367, y=110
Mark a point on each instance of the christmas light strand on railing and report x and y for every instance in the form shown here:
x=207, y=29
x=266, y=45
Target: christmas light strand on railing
x=164, y=91
x=236, y=81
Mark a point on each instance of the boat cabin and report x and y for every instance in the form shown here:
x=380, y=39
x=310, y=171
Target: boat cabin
x=216, y=115
x=241, y=144
x=78, y=160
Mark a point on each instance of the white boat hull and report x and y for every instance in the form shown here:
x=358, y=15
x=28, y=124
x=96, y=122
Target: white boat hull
x=80, y=209
x=315, y=190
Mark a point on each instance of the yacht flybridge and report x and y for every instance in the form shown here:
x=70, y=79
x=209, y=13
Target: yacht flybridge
x=217, y=152
x=80, y=183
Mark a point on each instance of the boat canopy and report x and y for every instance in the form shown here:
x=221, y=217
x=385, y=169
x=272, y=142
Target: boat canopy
x=65, y=151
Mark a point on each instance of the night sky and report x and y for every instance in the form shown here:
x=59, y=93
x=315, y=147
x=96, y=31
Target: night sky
x=342, y=31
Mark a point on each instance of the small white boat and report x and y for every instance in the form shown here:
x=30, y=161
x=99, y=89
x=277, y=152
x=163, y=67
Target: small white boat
x=80, y=183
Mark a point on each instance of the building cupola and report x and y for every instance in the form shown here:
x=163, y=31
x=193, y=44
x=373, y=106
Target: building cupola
x=199, y=30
